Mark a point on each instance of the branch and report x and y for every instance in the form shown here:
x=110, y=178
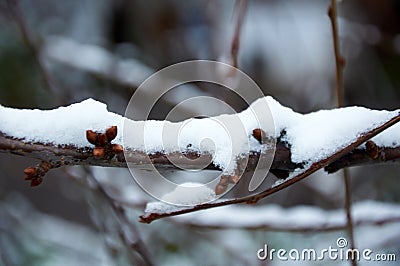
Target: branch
x=282, y=166
x=305, y=143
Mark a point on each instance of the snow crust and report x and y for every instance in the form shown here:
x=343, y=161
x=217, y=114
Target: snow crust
x=316, y=136
x=312, y=137
x=61, y=126
x=185, y=196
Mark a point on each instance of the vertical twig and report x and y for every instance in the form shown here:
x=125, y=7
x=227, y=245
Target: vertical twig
x=19, y=19
x=131, y=241
x=339, y=59
x=241, y=6
x=340, y=62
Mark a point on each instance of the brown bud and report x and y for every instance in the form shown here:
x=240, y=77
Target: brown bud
x=98, y=152
x=252, y=201
x=36, y=181
x=219, y=189
x=30, y=171
x=45, y=166
x=28, y=177
x=116, y=148
x=372, y=149
x=91, y=136
x=258, y=134
x=121, y=157
x=224, y=181
x=102, y=140
x=111, y=133
x=234, y=179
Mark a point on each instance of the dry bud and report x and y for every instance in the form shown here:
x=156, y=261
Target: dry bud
x=36, y=181
x=102, y=140
x=219, y=189
x=234, y=179
x=45, y=166
x=91, y=136
x=30, y=171
x=224, y=181
x=111, y=133
x=98, y=152
x=258, y=134
x=372, y=149
x=116, y=148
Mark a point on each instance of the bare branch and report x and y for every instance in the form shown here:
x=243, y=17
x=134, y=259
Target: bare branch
x=59, y=156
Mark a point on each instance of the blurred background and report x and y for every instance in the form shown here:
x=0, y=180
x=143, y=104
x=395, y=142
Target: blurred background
x=55, y=53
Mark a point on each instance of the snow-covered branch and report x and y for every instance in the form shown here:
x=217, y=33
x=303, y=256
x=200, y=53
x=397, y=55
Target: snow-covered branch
x=305, y=143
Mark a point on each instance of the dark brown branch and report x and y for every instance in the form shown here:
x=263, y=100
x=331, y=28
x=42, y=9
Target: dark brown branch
x=282, y=165
x=59, y=156
x=360, y=157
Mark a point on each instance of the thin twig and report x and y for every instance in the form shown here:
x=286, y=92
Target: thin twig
x=241, y=6
x=19, y=19
x=132, y=242
x=339, y=61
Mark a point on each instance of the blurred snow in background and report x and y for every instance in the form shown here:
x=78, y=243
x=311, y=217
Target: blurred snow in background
x=286, y=47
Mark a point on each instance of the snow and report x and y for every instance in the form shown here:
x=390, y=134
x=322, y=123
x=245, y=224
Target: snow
x=61, y=126
x=225, y=137
x=190, y=193
x=312, y=137
x=316, y=136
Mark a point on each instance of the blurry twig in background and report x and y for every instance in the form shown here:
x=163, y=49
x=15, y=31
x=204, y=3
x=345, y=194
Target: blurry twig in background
x=340, y=62
x=241, y=7
x=127, y=231
x=48, y=83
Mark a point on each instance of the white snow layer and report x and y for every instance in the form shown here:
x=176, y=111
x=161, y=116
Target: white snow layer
x=312, y=137
x=184, y=194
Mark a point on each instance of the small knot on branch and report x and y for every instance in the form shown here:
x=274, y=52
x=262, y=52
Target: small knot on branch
x=372, y=149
